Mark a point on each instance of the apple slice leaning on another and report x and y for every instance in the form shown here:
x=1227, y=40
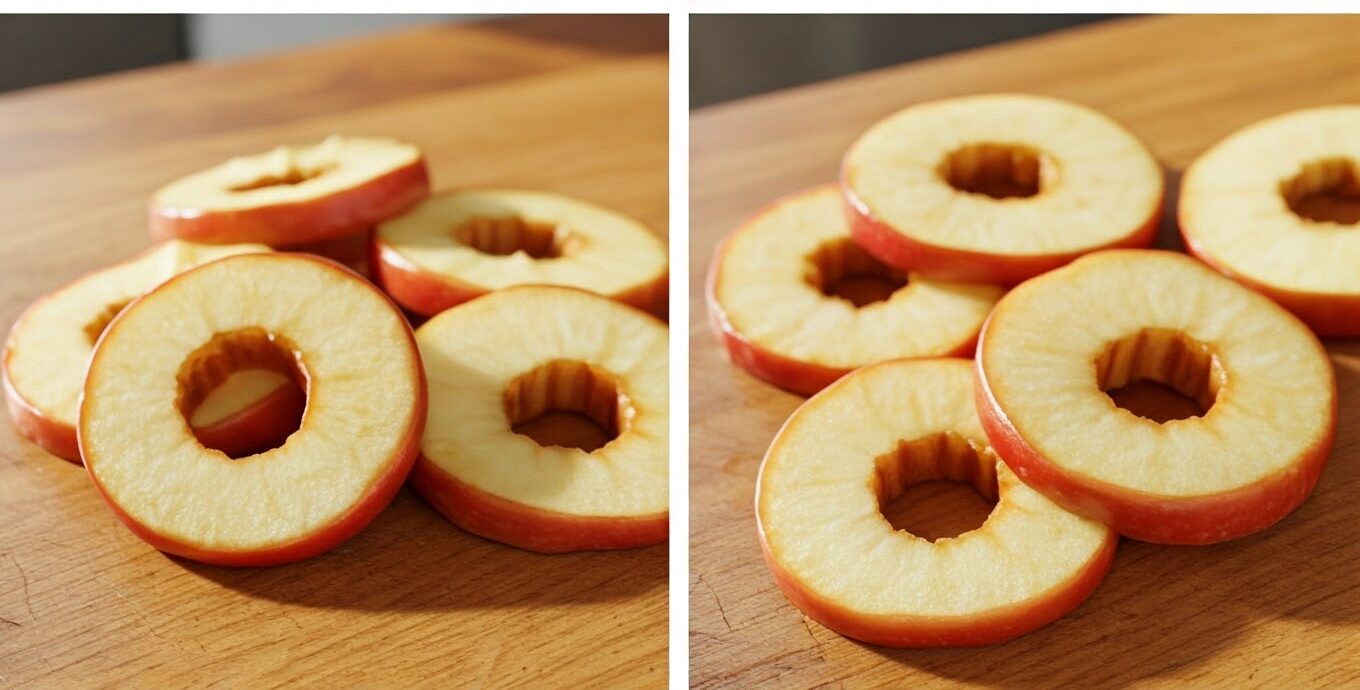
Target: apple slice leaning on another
x=507, y=359
x=460, y=245
x=1056, y=347
x=998, y=188
x=293, y=195
x=50, y=344
x=304, y=317
x=855, y=447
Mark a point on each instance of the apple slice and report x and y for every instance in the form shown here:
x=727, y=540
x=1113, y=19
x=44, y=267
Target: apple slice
x=50, y=344
x=252, y=411
x=304, y=317
x=857, y=446
x=293, y=195
x=509, y=358
x=998, y=188
x=797, y=303
x=1056, y=347
x=460, y=245
x=1276, y=206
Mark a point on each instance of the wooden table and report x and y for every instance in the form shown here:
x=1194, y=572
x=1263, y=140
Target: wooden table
x=1278, y=609
x=574, y=105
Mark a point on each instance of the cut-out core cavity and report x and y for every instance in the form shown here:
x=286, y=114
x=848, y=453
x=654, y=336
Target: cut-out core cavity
x=1000, y=171
x=505, y=236
x=1325, y=191
x=567, y=403
x=294, y=176
x=937, y=487
x=227, y=354
x=840, y=268
x=1160, y=374
x=101, y=321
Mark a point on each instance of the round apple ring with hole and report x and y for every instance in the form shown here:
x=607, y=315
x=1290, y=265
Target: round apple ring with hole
x=1276, y=206
x=295, y=314
x=857, y=446
x=797, y=303
x=460, y=245
x=50, y=344
x=1056, y=348
x=998, y=188
x=506, y=360
x=293, y=195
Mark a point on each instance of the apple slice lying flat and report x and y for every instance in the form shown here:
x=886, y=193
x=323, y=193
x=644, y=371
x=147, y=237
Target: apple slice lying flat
x=781, y=297
x=301, y=316
x=1276, y=206
x=459, y=245
x=998, y=188
x=50, y=344
x=508, y=358
x=1055, y=346
x=293, y=195
x=855, y=447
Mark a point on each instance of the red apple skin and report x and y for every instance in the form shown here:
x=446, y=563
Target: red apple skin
x=1147, y=517
x=352, y=250
x=530, y=528
x=263, y=425
x=907, y=254
x=52, y=436
x=428, y=294
x=288, y=225
x=996, y=626
x=346, y=526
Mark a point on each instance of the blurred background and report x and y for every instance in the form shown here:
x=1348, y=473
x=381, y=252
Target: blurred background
x=733, y=56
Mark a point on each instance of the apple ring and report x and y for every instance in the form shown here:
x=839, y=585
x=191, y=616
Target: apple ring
x=1275, y=206
x=998, y=188
x=856, y=446
x=1055, y=346
x=293, y=195
x=460, y=245
x=506, y=359
x=292, y=313
x=771, y=296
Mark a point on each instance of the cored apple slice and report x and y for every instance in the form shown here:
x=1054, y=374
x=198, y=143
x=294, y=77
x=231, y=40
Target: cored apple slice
x=998, y=188
x=857, y=446
x=1276, y=206
x=1056, y=347
x=50, y=344
x=293, y=195
x=503, y=361
x=797, y=303
x=301, y=316
x=460, y=245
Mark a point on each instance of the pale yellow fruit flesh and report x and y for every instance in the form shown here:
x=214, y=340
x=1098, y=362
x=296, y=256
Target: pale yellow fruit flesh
x=1099, y=183
x=765, y=293
x=472, y=353
x=50, y=346
x=1043, y=340
x=288, y=174
x=597, y=249
x=822, y=521
x=239, y=391
x=1233, y=209
x=363, y=392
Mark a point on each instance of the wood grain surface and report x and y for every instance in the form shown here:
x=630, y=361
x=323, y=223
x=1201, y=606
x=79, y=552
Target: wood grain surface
x=563, y=104
x=1280, y=609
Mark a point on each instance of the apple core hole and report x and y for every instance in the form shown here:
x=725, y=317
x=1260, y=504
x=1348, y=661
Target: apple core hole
x=243, y=392
x=293, y=176
x=567, y=403
x=937, y=487
x=1160, y=374
x=842, y=269
x=101, y=321
x=1325, y=191
x=509, y=235
x=1000, y=171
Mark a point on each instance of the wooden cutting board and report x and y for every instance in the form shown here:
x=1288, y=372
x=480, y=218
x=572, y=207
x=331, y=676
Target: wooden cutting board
x=576, y=105
x=1278, y=609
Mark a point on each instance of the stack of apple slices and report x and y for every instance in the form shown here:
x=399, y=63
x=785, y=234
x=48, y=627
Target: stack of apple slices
x=1008, y=190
